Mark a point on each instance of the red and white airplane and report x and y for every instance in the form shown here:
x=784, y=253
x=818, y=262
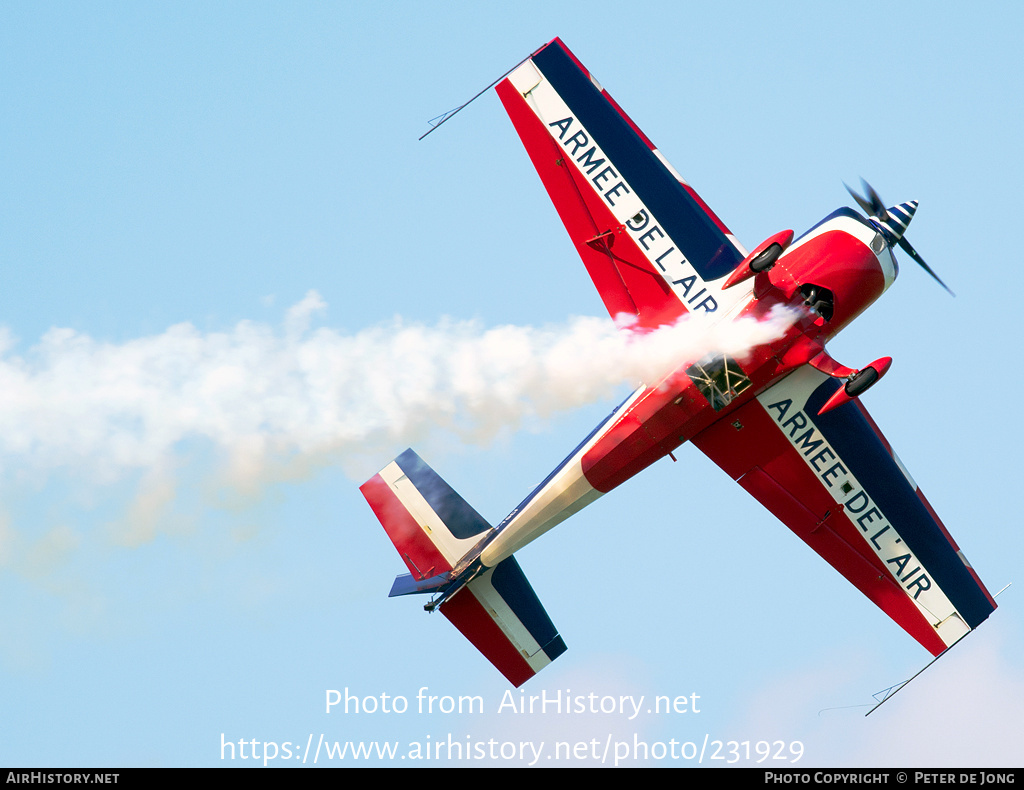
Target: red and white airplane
x=784, y=421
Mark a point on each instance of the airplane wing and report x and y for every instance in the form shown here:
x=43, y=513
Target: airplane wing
x=652, y=247
x=834, y=481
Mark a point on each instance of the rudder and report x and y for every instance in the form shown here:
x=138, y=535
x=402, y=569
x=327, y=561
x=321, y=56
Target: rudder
x=431, y=526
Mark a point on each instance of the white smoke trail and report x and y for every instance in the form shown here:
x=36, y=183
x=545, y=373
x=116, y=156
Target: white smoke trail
x=278, y=403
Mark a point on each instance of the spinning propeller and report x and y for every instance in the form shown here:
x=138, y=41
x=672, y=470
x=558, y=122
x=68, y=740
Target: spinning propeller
x=892, y=222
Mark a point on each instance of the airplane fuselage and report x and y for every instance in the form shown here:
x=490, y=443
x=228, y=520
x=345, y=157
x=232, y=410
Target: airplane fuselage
x=827, y=278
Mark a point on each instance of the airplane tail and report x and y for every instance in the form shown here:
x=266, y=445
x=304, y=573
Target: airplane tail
x=436, y=531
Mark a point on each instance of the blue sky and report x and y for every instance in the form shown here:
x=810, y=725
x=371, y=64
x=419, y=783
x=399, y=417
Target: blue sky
x=231, y=273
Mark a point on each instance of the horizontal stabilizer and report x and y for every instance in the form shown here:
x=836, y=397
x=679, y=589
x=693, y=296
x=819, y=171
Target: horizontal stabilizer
x=501, y=615
x=407, y=584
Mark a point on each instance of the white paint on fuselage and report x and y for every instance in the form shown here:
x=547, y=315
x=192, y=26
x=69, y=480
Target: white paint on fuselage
x=566, y=493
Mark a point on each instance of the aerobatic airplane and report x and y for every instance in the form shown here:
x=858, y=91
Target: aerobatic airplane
x=784, y=420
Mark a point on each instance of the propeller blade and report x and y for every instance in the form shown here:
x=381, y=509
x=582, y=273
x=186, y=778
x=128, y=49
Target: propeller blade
x=872, y=205
x=877, y=205
x=893, y=227
x=864, y=205
x=905, y=246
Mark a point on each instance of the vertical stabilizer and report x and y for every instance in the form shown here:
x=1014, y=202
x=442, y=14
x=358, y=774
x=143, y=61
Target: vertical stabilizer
x=434, y=529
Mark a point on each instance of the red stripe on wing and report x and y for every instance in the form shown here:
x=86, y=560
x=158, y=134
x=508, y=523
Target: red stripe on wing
x=626, y=280
x=768, y=467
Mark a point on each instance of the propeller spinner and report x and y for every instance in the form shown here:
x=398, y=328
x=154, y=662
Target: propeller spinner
x=892, y=222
